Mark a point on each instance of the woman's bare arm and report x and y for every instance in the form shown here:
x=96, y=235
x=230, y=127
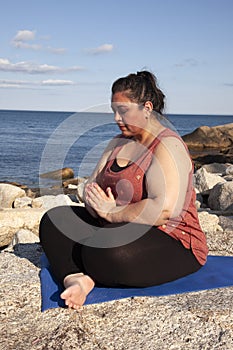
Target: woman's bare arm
x=167, y=181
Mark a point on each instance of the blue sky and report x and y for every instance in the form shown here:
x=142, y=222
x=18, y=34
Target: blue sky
x=64, y=55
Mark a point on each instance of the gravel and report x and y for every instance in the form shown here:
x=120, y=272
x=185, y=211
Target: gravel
x=200, y=320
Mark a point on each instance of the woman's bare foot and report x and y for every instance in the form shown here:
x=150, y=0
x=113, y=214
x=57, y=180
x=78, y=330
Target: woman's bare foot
x=78, y=286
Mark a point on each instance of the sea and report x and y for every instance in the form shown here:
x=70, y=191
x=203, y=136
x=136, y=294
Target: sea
x=37, y=142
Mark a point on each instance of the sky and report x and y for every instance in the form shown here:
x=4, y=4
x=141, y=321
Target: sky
x=64, y=55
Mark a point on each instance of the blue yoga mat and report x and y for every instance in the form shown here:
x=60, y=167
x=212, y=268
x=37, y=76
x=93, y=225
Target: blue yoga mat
x=216, y=273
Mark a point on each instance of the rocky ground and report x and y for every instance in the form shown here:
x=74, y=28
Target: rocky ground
x=200, y=320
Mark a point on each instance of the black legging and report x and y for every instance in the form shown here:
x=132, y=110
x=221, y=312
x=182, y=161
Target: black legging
x=152, y=258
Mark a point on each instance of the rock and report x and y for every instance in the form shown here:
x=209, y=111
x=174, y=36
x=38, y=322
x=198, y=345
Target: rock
x=219, y=137
x=47, y=202
x=199, y=200
x=72, y=187
x=207, y=156
x=216, y=168
x=229, y=170
x=228, y=177
x=68, y=182
x=22, y=202
x=12, y=220
x=221, y=196
x=208, y=222
x=8, y=193
x=23, y=236
x=204, y=180
x=226, y=223
x=64, y=173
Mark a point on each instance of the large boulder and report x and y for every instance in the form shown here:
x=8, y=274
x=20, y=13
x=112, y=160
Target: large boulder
x=12, y=220
x=8, y=194
x=221, y=196
x=203, y=180
x=220, y=137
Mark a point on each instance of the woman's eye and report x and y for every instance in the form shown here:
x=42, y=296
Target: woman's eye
x=122, y=110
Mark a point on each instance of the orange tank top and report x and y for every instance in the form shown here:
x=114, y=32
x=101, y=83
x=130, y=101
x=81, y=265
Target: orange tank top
x=128, y=186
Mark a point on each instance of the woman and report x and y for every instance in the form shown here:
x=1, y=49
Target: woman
x=139, y=226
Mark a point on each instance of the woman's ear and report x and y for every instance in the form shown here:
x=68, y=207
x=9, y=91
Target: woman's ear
x=148, y=105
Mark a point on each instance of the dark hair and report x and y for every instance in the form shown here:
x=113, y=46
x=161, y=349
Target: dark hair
x=139, y=88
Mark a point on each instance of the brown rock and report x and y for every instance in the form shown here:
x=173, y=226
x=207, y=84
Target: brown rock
x=64, y=173
x=219, y=137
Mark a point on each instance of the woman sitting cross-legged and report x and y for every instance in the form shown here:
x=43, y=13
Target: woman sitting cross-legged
x=139, y=226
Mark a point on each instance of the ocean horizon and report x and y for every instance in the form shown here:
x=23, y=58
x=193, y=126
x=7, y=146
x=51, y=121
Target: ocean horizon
x=35, y=142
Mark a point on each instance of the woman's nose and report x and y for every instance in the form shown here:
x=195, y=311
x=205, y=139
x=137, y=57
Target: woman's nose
x=117, y=117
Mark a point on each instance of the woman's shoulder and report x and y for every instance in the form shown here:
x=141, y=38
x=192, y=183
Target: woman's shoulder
x=171, y=143
x=171, y=137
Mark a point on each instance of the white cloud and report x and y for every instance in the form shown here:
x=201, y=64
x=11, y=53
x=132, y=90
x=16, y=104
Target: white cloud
x=23, y=45
x=5, y=83
x=24, y=35
x=13, y=83
x=101, y=49
x=34, y=68
x=57, y=82
x=20, y=41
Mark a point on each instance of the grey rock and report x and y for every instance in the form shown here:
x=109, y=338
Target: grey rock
x=216, y=168
x=228, y=177
x=226, y=222
x=203, y=180
x=221, y=196
x=229, y=170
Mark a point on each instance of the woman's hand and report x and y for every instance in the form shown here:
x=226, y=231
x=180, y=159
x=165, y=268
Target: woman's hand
x=100, y=201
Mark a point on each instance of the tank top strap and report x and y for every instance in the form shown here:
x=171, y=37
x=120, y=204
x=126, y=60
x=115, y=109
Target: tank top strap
x=164, y=133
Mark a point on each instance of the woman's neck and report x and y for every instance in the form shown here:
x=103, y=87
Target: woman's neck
x=150, y=133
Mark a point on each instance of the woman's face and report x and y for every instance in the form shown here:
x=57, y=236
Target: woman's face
x=129, y=116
